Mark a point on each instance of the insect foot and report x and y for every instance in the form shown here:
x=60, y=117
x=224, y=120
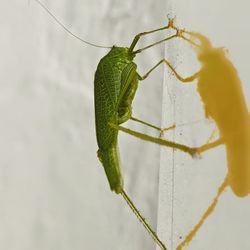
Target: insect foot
x=163, y=130
x=171, y=22
x=195, y=153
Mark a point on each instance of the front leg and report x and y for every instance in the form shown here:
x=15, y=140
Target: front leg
x=138, y=36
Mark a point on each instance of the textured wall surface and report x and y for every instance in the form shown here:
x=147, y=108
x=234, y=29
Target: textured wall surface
x=53, y=190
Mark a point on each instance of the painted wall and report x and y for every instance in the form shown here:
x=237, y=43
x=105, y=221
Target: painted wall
x=53, y=191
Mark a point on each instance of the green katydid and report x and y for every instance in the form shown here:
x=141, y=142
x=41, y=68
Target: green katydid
x=116, y=81
x=115, y=85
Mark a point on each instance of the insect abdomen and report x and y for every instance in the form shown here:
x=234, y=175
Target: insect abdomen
x=238, y=157
x=111, y=161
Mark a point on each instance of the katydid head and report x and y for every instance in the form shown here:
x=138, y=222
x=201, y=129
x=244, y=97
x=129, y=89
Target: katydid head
x=205, y=46
x=206, y=52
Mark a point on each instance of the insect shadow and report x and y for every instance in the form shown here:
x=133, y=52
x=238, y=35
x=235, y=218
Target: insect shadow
x=220, y=89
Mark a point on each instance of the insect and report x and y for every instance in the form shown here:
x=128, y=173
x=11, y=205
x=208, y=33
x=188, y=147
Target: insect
x=116, y=81
x=220, y=90
x=115, y=84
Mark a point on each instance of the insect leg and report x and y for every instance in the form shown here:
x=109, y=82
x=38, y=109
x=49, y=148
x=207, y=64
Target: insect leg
x=179, y=77
x=210, y=145
x=156, y=43
x=138, y=36
x=192, y=151
x=143, y=221
x=179, y=33
x=162, y=130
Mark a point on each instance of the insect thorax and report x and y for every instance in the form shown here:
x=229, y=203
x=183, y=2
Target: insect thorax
x=112, y=98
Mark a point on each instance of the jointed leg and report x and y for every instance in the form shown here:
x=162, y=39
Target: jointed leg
x=184, y=148
x=156, y=43
x=179, y=33
x=180, y=78
x=198, y=150
x=162, y=130
x=138, y=36
x=143, y=221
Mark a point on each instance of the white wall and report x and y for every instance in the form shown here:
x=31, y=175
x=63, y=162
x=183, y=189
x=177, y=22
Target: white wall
x=53, y=191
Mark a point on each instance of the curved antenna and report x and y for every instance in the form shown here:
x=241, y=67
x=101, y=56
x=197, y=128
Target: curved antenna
x=67, y=30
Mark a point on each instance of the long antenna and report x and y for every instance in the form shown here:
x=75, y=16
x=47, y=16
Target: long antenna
x=143, y=221
x=67, y=30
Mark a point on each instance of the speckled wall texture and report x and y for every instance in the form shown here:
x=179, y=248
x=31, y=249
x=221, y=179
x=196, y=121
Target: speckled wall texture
x=54, y=194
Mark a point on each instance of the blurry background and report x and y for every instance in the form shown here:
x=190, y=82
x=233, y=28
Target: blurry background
x=53, y=190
